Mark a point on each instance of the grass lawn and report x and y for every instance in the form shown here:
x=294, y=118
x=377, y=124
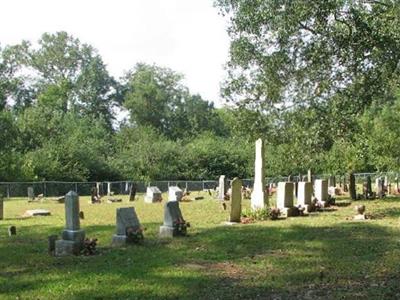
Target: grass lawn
x=323, y=256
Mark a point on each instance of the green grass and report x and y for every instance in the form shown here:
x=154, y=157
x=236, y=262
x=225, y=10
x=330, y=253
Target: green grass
x=323, y=256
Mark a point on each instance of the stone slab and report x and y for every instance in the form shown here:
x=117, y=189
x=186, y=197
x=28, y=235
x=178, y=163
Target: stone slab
x=126, y=218
x=289, y=212
x=359, y=218
x=37, y=212
x=236, y=200
x=321, y=189
x=72, y=211
x=153, y=194
x=284, y=196
x=259, y=197
x=222, y=187
x=66, y=248
x=304, y=193
x=174, y=193
x=172, y=213
x=167, y=232
x=73, y=235
x=119, y=240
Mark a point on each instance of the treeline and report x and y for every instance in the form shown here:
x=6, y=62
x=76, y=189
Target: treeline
x=58, y=121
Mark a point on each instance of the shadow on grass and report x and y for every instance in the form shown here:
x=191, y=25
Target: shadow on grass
x=245, y=261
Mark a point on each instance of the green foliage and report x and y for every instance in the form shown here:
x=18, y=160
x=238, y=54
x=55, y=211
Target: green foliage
x=261, y=214
x=330, y=109
x=63, y=146
x=304, y=52
x=155, y=97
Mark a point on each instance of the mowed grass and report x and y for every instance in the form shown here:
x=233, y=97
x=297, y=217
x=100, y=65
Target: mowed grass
x=322, y=256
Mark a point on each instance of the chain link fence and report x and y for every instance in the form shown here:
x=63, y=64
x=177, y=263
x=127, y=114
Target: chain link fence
x=57, y=188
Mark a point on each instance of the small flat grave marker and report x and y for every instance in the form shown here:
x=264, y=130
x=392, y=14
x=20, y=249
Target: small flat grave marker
x=37, y=212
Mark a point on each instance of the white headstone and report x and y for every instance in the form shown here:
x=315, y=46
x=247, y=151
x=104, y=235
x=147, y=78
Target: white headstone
x=174, y=193
x=153, y=194
x=222, y=187
x=108, y=188
x=321, y=189
x=284, y=197
x=304, y=193
x=258, y=196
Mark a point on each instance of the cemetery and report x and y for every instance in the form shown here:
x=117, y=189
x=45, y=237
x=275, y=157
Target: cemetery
x=187, y=149
x=318, y=246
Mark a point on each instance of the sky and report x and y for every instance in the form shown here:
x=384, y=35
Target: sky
x=187, y=36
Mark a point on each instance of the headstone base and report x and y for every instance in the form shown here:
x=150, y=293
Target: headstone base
x=119, y=240
x=231, y=223
x=167, y=232
x=323, y=204
x=65, y=248
x=289, y=212
x=73, y=235
x=359, y=218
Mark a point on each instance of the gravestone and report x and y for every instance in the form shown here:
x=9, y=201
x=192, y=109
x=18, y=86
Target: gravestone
x=128, y=227
x=153, y=194
x=284, y=197
x=332, y=181
x=368, y=188
x=31, y=194
x=174, y=193
x=1, y=207
x=132, y=192
x=108, y=188
x=321, y=190
x=126, y=186
x=379, y=186
x=72, y=236
x=304, y=196
x=352, y=186
x=222, y=187
x=174, y=224
x=94, y=195
x=36, y=212
x=98, y=187
x=259, y=196
x=236, y=200
x=296, y=187
x=12, y=230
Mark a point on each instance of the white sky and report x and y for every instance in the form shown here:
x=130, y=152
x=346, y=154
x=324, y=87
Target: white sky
x=187, y=36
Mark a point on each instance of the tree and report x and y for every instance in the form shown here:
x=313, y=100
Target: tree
x=156, y=97
x=294, y=53
x=68, y=76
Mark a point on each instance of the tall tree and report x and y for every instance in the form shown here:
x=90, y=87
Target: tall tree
x=299, y=52
x=69, y=76
x=156, y=97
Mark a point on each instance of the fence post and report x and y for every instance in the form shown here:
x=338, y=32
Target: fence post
x=76, y=188
x=8, y=191
x=203, y=184
x=44, y=189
